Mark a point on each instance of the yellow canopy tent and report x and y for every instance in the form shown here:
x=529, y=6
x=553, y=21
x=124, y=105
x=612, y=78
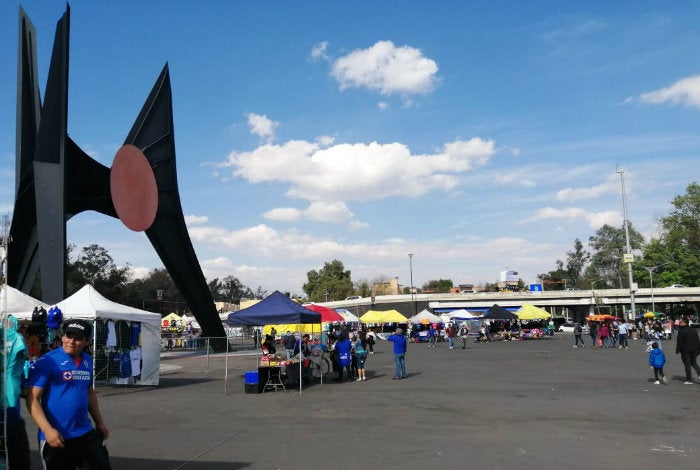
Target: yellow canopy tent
x=168, y=320
x=383, y=316
x=530, y=312
x=301, y=328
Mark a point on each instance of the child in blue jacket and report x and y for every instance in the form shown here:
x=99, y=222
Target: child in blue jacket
x=657, y=359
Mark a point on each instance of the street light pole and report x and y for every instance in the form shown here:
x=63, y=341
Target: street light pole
x=650, y=270
x=630, y=258
x=410, y=265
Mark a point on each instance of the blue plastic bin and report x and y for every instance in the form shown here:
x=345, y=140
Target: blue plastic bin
x=251, y=377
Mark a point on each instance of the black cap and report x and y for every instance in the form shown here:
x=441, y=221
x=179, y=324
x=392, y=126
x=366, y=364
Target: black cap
x=77, y=327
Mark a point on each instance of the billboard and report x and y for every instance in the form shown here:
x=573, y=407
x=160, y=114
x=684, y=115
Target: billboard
x=509, y=276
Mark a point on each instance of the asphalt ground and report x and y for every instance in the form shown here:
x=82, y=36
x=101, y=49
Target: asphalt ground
x=534, y=404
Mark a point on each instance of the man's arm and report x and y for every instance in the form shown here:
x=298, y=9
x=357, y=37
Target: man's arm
x=53, y=437
x=94, y=410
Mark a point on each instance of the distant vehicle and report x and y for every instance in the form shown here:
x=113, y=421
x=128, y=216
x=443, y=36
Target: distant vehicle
x=353, y=297
x=568, y=327
x=467, y=291
x=676, y=286
x=572, y=288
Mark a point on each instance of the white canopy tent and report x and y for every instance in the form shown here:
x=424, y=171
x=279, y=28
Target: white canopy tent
x=461, y=314
x=424, y=316
x=88, y=304
x=19, y=304
x=348, y=316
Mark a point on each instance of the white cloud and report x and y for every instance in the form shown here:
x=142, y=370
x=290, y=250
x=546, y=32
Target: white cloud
x=286, y=214
x=685, y=91
x=387, y=69
x=139, y=272
x=576, y=194
x=356, y=172
x=357, y=225
x=329, y=211
x=334, y=212
x=196, y=219
x=261, y=126
x=383, y=105
x=319, y=51
x=595, y=219
x=473, y=259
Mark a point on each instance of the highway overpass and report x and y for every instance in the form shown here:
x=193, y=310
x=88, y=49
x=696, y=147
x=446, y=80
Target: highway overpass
x=572, y=305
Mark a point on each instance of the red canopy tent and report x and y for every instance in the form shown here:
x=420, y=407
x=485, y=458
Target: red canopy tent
x=328, y=315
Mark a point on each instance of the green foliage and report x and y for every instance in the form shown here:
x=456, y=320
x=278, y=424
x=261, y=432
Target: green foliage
x=576, y=261
x=362, y=288
x=609, y=244
x=439, y=285
x=229, y=289
x=96, y=267
x=678, y=245
x=330, y=282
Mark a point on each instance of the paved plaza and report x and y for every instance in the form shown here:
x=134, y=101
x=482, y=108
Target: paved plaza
x=537, y=404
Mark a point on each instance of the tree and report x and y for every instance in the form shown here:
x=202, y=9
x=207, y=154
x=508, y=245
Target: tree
x=362, y=288
x=678, y=247
x=438, y=286
x=682, y=225
x=330, y=282
x=576, y=260
x=96, y=267
x=609, y=244
x=554, y=280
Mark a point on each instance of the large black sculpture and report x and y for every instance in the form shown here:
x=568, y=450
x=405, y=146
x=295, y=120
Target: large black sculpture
x=56, y=180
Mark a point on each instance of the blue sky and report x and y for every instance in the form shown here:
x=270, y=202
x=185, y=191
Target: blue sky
x=479, y=136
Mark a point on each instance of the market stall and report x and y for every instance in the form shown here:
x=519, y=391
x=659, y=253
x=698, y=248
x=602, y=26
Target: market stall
x=119, y=331
x=277, y=309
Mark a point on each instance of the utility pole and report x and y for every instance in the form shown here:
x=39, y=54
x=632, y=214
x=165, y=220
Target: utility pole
x=628, y=258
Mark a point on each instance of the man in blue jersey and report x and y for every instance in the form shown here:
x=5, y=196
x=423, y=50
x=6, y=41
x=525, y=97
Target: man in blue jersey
x=399, y=341
x=60, y=398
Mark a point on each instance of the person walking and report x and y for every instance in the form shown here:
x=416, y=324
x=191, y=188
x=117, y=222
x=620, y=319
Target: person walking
x=593, y=333
x=361, y=354
x=578, y=330
x=657, y=359
x=451, y=332
x=343, y=348
x=61, y=400
x=400, y=343
x=604, y=333
x=622, y=335
x=464, y=334
x=688, y=346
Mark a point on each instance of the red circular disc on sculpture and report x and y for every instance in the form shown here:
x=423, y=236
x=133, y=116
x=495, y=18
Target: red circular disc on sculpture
x=134, y=189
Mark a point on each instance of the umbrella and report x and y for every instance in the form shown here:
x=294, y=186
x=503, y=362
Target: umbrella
x=328, y=315
x=601, y=317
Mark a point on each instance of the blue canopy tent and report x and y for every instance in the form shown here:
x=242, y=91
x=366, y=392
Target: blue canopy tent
x=274, y=309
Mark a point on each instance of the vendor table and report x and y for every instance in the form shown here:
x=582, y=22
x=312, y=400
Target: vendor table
x=270, y=378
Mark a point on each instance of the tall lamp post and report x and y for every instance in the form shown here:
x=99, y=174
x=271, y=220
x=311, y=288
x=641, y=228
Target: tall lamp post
x=410, y=266
x=650, y=270
x=628, y=257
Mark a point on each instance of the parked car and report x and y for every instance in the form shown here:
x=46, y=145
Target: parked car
x=568, y=327
x=676, y=286
x=353, y=297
